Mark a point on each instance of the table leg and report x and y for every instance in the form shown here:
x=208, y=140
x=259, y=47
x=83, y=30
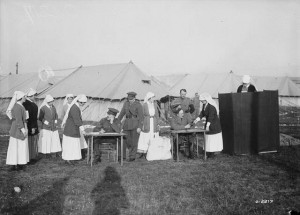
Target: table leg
x=121, y=150
x=177, y=147
x=92, y=151
x=204, y=147
x=172, y=142
x=117, y=149
x=197, y=145
x=88, y=152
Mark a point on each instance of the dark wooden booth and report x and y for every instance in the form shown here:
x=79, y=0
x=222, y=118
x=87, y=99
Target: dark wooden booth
x=250, y=122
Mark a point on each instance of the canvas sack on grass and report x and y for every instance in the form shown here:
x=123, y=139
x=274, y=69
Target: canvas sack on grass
x=159, y=149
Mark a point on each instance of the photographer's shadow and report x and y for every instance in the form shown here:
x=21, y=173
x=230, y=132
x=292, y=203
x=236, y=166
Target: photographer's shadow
x=108, y=194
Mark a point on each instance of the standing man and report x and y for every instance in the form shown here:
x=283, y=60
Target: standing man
x=32, y=125
x=185, y=103
x=133, y=111
x=196, y=103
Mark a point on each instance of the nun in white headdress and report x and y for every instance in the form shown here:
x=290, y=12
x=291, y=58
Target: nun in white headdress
x=246, y=86
x=67, y=103
x=150, y=124
x=49, y=141
x=17, y=152
x=210, y=110
x=73, y=140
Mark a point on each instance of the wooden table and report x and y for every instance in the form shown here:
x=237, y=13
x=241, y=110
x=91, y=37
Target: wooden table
x=187, y=131
x=90, y=141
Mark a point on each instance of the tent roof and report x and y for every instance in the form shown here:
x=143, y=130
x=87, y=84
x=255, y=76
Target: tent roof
x=110, y=81
x=22, y=82
x=228, y=83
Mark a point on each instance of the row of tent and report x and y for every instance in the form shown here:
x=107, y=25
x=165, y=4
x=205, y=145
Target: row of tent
x=107, y=85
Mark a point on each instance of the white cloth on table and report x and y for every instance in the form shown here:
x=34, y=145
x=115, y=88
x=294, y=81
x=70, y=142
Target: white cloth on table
x=17, y=152
x=71, y=148
x=214, y=142
x=159, y=149
x=83, y=144
x=49, y=142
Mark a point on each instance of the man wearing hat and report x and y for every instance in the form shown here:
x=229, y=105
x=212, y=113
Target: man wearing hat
x=185, y=103
x=108, y=124
x=133, y=111
x=182, y=121
x=32, y=124
x=246, y=86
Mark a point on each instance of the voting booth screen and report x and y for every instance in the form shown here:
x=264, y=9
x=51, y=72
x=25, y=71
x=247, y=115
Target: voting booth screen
x=250, y=122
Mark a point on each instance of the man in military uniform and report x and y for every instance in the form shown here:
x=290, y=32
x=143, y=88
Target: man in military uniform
x=185, y=103
x=32, y=124
x=179, y=122
x=133, y=111
x=109, y=124
x=196, y=103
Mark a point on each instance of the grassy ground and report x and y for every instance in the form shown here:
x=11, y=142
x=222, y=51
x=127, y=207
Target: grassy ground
x=260, y=184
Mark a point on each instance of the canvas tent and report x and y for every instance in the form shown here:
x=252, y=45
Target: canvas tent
x=105, y=86
x=23, y=82
x=289, y=93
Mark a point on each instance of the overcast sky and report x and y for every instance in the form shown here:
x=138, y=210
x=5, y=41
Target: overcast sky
x=256, y=37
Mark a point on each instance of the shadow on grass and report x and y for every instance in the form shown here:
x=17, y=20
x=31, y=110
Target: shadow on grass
x=108, y=194
x=51, y=202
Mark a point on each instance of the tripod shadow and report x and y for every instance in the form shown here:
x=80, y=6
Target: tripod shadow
x=108, y=194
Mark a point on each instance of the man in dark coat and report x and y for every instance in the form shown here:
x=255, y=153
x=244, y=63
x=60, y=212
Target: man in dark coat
x=182, y=121
x=133, y=111
x=246, y=87
x=109, y=124
x=32, y=125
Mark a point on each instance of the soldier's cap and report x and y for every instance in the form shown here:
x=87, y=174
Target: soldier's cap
x=112, y=111
x=131, y=95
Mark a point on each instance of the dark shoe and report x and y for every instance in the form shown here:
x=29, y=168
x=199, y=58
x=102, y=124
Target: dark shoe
x=13, y=168
x=21, y=167
x=32, y=161
x=69, y=163
x=143, y=155
x=131, y=159
x=210, y=155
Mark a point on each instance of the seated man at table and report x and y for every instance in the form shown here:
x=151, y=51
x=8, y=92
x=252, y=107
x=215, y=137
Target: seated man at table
x=108, y=124
x=179, y=122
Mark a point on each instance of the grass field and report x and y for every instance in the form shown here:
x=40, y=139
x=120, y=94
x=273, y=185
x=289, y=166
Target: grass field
x=257, y=184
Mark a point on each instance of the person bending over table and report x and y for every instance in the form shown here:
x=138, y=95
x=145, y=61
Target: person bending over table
x=108, y=124
x=179, y=122
x=210, y=110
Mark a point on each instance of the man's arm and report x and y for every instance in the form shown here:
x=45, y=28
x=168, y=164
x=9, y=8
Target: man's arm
x=140, y=114
x=176, y=126
x=116, y=126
